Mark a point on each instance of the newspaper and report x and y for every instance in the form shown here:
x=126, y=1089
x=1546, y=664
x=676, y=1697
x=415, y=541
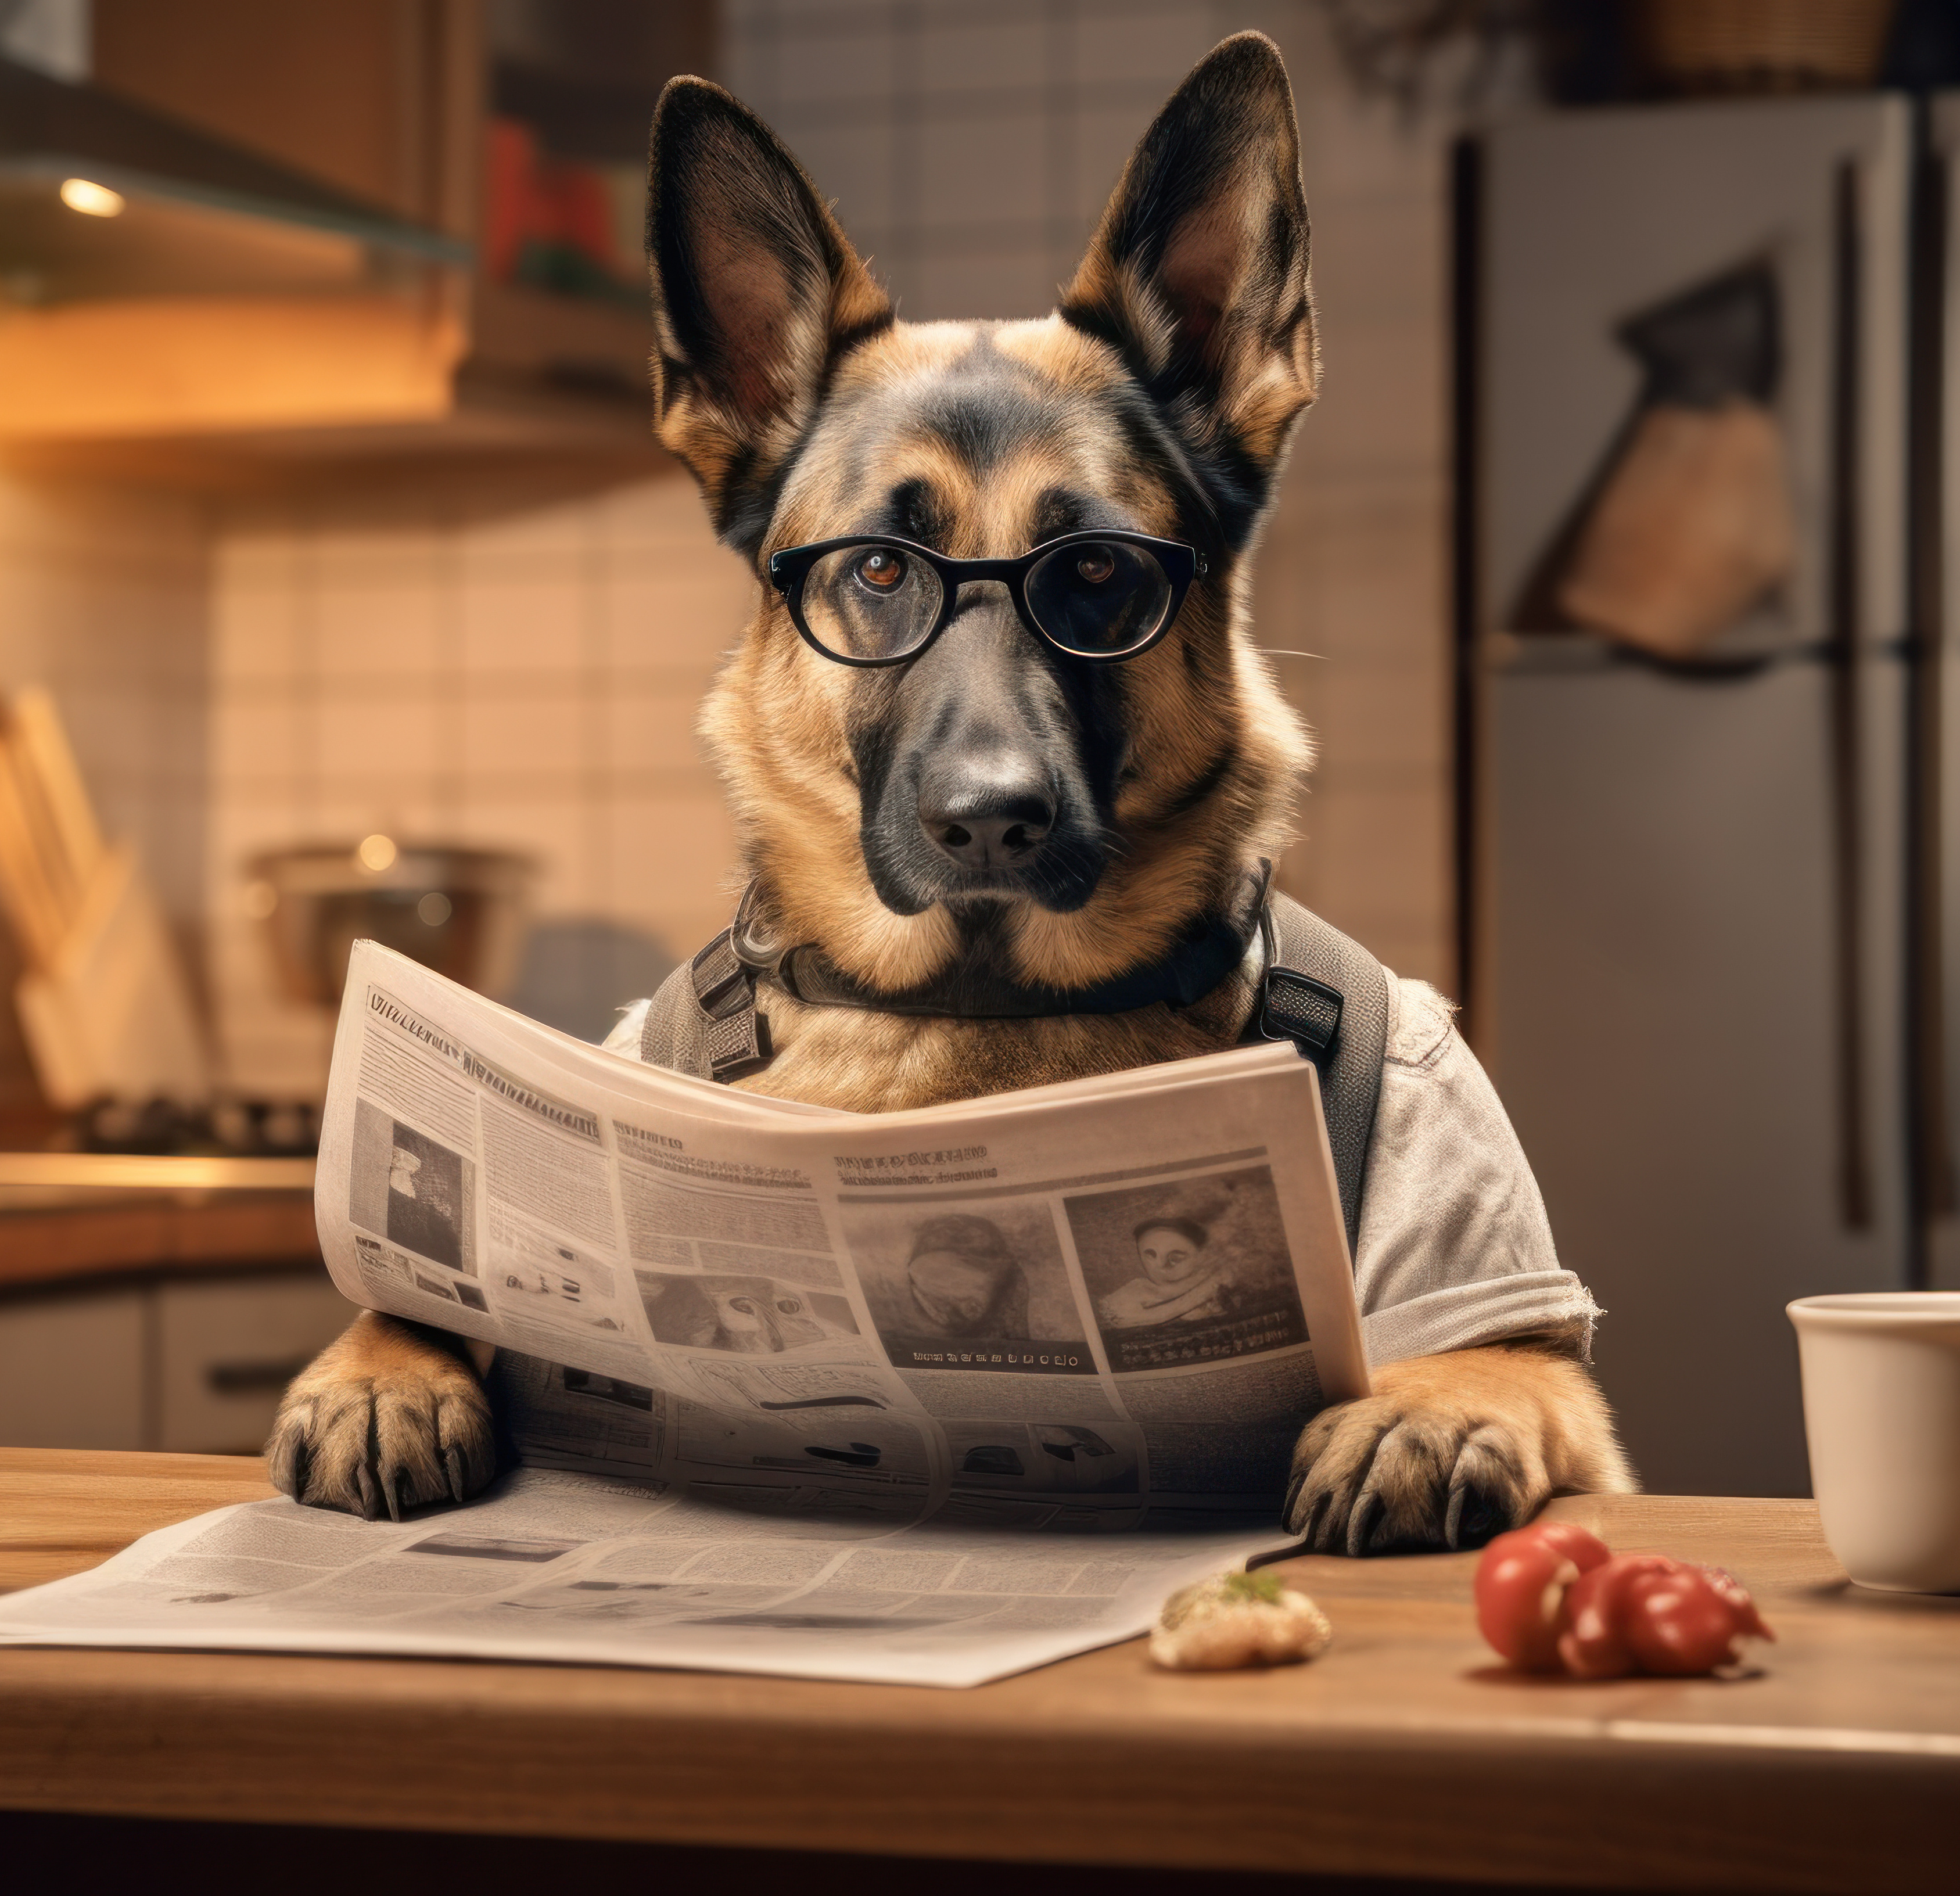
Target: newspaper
x=898, y=1377
x=563, y=1567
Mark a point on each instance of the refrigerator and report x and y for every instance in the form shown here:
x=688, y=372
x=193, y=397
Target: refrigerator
x=1699, y=900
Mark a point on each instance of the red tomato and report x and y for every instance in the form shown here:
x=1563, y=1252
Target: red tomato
x=1648, y=1613
x=1521, y=1584
x=1590, y=1640
x=1750, y=1623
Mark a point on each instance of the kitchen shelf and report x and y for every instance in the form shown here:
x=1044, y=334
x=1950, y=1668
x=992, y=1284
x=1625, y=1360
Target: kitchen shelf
x=424, y=359
x=159, y=1301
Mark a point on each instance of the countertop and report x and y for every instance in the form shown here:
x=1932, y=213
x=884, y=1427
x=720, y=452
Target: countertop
x=68, y=1216
x=1406, y=1752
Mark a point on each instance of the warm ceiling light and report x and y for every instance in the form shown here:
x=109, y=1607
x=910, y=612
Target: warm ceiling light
x=92, y=200
x=377, y=853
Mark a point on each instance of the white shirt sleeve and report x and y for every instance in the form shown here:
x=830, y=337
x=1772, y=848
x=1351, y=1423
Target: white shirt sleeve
x=1456, y=1248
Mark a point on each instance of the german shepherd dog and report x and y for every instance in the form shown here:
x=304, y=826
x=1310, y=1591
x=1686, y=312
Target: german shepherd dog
x=994, y=801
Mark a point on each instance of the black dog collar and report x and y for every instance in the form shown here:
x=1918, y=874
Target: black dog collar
x=1203, y=956
x=728, y=977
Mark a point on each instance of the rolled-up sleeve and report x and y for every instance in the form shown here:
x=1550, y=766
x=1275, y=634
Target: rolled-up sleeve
x=1456, y=1248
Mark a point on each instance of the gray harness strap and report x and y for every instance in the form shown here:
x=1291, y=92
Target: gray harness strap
x=1330, y=997
x=1324, y=993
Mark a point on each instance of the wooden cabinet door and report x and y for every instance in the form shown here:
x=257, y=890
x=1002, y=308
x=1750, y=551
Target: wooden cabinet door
x=227, y=1347
x=71, y=1371
x=384, y=98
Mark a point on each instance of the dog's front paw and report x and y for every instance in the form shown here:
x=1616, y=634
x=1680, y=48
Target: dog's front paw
x=1387, y=1475
x=385, y=1419
x=1448, y=1450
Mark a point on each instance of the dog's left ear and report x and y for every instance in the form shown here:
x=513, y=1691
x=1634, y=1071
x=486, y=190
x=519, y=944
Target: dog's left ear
x=1198, y=273
x=756, y=293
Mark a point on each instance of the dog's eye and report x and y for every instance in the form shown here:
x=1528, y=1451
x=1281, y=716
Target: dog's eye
x=1095, y=565
x=881, y=570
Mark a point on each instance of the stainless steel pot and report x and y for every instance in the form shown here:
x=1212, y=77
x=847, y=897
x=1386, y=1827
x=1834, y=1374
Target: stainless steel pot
x=461, y=911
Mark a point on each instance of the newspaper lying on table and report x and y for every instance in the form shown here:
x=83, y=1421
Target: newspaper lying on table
x=871, y=1394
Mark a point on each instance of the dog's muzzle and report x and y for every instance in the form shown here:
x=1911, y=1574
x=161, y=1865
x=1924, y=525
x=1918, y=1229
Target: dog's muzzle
x=979, y=840
x=979, y=789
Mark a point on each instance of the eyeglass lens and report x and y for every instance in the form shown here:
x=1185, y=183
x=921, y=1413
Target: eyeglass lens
x=871, y=602
x=1098, y=599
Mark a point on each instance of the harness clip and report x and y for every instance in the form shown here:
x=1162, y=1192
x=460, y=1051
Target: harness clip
x=1307, y=1012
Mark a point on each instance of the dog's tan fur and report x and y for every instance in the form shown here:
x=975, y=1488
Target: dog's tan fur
x=780, y=367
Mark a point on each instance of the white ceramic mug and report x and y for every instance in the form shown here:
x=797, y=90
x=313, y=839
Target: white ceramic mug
x=1881, y=1412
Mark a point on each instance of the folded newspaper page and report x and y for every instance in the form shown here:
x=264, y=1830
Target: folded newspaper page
x=563, y=1567
x=871, y=1392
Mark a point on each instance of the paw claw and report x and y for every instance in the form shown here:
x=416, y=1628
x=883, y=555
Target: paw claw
x=1487, y=1490
x=286, y=1460
x=370, y=1500
x=1290, y=1510
x=1363, y=1519
x=1453, y=1521
x=1320, y=1532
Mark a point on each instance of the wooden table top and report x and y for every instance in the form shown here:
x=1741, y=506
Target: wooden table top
x=1406, y=1752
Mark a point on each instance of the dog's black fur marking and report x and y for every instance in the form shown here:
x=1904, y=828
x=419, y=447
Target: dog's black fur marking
x=845, y=341
x=1061, y=719
x=913, y=511
x=1202, y=786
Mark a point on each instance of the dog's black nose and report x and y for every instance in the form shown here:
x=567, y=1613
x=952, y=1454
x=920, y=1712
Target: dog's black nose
x=984, y=825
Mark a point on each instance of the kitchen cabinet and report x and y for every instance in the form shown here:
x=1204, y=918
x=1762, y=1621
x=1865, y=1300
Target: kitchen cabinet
x=72, y=1370
x=390, y=101
x=226, y=1348
x=155, y=1303
x=191, y=1364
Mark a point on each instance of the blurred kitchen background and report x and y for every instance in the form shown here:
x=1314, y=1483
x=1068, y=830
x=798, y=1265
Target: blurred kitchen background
x=343, y=591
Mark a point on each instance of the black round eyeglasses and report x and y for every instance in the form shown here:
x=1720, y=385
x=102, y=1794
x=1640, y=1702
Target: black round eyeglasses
x=875, y=600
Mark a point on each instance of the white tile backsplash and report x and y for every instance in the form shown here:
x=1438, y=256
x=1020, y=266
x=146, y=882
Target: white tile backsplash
x=824, y=57
x=514, y=624
x=103, y=597
x=538, y=730
x=375, y=737
x=371, y=633
x=513, y=679
x=1151, y=45
x=1010, y=281
x=982, y=167
x=675, y=611
x=984, y=49
x=651, y=729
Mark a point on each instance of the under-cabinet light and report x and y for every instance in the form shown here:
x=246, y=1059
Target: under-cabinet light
x=91, y=199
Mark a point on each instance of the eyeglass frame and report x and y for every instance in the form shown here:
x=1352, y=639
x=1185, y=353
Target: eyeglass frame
x=790, y=568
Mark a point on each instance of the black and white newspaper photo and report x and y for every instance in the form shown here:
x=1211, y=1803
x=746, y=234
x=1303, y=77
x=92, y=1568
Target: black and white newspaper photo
x=1091, y=1315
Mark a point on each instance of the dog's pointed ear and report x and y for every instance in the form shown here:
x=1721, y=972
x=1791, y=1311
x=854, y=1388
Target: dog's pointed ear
x=1198, y=273
x=756, y=290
